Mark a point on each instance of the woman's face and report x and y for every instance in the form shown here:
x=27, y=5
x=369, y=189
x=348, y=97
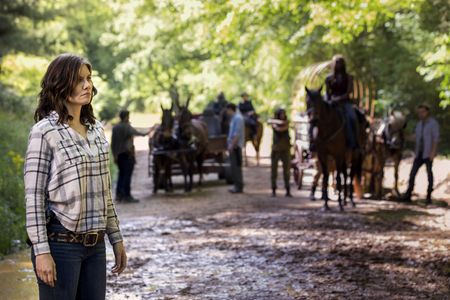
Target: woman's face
x=282, y=115
x=82, y=91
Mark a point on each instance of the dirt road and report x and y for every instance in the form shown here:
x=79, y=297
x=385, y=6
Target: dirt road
x=211, y=245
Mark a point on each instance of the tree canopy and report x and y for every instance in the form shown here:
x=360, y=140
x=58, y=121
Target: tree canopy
x=150, y=52
x=146, y=52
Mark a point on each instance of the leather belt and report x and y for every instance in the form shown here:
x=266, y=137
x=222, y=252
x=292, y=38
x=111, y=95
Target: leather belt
x=88, y=239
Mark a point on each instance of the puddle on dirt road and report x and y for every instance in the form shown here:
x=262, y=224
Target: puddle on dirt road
x=277, y=255
x=17, y=280
x=288, y=254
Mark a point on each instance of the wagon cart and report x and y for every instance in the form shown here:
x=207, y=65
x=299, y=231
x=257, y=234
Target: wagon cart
x=302, y=155
x=215, y=159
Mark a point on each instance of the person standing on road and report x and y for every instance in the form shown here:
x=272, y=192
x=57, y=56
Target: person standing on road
x=123, y=151
x=235, y=143
x=281, y=150
x=69, y=208
x=427, y=139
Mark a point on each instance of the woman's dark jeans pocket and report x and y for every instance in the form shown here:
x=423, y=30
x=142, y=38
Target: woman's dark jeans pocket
x=80, y=271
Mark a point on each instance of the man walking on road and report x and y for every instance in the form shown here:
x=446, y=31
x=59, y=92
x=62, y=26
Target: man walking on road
x=123, y=151
x=235, y=141
x=427, y=138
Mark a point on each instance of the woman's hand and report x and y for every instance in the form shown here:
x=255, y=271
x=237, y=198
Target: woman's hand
x=121, y=258
x=46, y=269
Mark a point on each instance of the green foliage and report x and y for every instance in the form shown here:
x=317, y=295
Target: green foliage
x=149, y=52
x=12, y=208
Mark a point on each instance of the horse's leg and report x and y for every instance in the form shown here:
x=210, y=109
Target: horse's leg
x=352, y=176
x=171, y=161
x=184, y=170
x=155, y=177
x=260, y=132
x=166, y=181
x=398, y=158
x=191, y=173
x=339, y=184
x=345, y=178
x=200, y=168
x=168, y=175
x=324, y=166
x=256, y=146
x=315, y=182
x=353, y=173
x=191, y=179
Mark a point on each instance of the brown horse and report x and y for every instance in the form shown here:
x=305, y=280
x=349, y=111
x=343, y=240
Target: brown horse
x=331, y=141
x=319, y=173
x=256, y=140
x=192, y=135
x=394, y=141
x=161, y=142
x=386, y=141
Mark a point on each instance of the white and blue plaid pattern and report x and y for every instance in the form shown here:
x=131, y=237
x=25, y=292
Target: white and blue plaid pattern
x=69, y=175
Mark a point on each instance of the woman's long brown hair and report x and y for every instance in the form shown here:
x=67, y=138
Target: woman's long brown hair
x=57, y=85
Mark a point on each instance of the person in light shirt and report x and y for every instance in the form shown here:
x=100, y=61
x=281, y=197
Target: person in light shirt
x=427, y=139
x=235, y=141
x=69, y=207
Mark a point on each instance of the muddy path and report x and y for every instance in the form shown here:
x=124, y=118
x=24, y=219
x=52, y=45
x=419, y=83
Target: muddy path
x=211, y=245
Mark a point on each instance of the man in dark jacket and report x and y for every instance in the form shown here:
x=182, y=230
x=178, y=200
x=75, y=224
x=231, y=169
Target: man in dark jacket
x=123, y=151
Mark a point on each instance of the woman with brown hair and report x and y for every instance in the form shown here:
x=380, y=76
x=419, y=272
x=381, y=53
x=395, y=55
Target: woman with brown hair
x=281, y=150
x=339, y=87
x=69, y=207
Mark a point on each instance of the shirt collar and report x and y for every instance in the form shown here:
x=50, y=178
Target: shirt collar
x=53, y=116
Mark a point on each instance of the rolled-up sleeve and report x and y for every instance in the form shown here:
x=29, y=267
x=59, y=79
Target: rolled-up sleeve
x=36, y=173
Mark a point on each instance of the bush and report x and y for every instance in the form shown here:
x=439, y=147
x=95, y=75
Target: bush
x=14, y=133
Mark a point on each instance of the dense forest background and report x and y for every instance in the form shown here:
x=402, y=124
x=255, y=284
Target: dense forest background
x=147, y=52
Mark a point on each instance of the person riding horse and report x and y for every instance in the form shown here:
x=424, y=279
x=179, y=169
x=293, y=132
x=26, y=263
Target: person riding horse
x=248, y=111
x=212, y=122
x=339, y=86
x=218, y=107
x=220, y=104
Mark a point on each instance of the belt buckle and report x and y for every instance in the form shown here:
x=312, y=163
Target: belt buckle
x=87, y=242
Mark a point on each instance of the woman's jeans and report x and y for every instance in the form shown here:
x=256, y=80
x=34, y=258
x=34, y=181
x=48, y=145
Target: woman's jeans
x=80, y=271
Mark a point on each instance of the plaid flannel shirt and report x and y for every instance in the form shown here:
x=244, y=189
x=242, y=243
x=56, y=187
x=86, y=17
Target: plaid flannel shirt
x=69, y=175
